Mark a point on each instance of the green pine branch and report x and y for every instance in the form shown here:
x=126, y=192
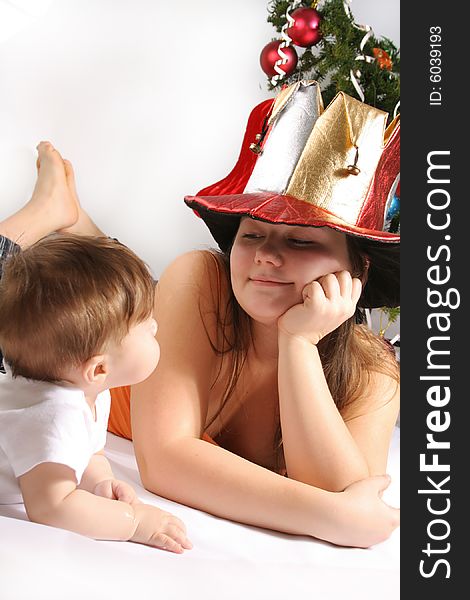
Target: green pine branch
x=332, y=59
x=391, y=315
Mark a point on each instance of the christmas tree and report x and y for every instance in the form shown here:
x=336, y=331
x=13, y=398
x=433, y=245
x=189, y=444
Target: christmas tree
x=324, y=43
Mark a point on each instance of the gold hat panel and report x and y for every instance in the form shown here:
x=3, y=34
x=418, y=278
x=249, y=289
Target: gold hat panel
x=347, y=133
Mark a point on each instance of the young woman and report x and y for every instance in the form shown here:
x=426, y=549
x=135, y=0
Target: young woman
x=261, y=352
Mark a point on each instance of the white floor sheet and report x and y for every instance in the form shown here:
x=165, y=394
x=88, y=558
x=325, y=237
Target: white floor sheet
x=228, y=561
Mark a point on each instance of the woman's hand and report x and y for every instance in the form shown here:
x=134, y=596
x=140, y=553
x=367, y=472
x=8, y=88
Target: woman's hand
x=327, y=302
x=361, y=518
x=115, y=489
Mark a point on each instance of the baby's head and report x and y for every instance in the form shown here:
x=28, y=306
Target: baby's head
x=78, y=309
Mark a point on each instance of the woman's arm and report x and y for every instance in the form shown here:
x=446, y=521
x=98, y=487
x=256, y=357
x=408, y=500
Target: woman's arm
x=196, y=473
x=169, y=411
x=319, y=447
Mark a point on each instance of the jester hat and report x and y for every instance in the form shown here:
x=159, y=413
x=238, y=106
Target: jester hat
x=301, y=164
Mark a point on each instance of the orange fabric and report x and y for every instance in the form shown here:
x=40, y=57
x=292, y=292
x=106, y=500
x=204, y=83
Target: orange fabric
x=120, y=416
x=207, y=438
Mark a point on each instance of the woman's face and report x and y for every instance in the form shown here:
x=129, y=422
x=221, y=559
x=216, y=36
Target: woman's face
x=271, y=264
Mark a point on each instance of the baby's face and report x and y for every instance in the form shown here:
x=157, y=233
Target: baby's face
x=136, y=357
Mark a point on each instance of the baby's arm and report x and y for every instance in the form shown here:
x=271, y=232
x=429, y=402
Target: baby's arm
x=99, y=479
x=51, y=497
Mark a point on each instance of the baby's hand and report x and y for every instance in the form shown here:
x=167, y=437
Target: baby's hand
x=364, y=518
x=327, y=302
x=160, y=529
x=115, y=489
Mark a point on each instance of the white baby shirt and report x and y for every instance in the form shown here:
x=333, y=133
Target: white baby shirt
x=45, y=422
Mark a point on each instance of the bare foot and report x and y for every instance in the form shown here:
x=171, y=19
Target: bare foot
x=51, y=196
x=51, y=207
x=83, y=225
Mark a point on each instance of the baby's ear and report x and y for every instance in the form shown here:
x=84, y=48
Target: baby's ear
x=95, y=370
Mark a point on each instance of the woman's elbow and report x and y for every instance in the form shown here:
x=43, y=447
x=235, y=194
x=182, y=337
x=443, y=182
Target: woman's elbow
x=151, y=473
x=159, y=469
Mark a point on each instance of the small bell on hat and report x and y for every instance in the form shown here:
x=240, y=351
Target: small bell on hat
x=256, y=146
x=354, y=169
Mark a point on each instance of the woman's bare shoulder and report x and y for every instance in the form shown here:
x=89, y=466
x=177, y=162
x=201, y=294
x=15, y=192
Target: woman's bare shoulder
x=192, y=292
x=200, y=268
x=380, y=381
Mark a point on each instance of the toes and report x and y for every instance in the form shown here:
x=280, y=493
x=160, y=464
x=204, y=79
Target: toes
x=68, y=169
x=49, y=154
x=44, y=146
x=70, y=177
x=45, y=149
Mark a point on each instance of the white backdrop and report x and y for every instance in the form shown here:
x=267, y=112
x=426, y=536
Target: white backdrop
x=148, y=99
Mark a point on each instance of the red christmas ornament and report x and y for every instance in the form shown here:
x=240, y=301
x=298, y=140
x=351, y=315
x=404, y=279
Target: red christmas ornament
x=270, y=55
x=305, y=31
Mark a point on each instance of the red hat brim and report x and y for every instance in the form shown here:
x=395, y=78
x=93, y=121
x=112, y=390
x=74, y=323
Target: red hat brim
x=282, y=209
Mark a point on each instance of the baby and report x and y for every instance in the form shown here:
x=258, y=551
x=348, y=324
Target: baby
x=76, y=320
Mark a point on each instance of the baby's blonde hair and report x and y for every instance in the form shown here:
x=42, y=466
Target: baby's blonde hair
x=65, y=298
